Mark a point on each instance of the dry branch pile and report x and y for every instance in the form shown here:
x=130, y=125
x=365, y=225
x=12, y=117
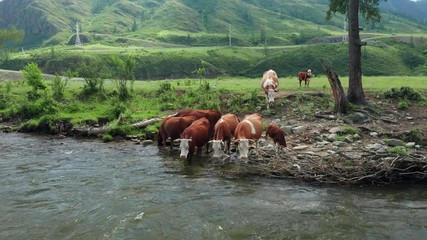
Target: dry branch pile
x=340, y=169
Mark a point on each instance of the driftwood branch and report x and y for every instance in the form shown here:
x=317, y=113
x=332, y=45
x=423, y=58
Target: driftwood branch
x=341, y=102
x=145, y=123
x=97, y=131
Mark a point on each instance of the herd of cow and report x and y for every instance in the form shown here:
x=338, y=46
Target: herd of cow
x=197, y=128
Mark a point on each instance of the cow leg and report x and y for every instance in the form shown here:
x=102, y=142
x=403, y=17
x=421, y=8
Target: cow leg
x=171, y=144
x=159, y=138
x=266, y=99
x=256, y=147
x=207, y=148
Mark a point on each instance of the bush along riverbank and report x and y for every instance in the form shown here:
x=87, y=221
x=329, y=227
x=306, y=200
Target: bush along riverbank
x=383, y=142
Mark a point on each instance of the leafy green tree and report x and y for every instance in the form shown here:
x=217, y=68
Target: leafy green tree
x=134, y=26
x=35, y=80
x=93, y=72
x=370, y=12
x=10, y=34
x=125, y=70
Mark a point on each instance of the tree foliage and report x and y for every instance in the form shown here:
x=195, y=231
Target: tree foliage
x=370, y=12
x=34, y=77
x=369, y=9
x=10, y=34
x=125, y=71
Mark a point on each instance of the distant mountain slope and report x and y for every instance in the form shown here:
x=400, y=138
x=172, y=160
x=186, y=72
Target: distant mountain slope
x=194, y=22
x=416, y=11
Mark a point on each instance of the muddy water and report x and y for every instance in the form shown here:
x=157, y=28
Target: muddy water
x=80, y=189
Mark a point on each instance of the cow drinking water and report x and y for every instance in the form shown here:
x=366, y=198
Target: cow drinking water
x=172, y=127
x=195, y=136
x=212, y=115
x=249, y=130
x=224, y=131
x=270, y=85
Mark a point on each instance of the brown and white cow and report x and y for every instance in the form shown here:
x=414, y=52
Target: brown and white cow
x=224, y=131
x=304, y=76
x=278, y=135
x=270, y=85
x=212, y=115
x=172, y=127
x=195, y=136
x=247, y=131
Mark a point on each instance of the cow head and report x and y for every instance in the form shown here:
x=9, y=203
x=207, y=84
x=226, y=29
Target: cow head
x=217, y=148
x=243, y=147
x=185, y=147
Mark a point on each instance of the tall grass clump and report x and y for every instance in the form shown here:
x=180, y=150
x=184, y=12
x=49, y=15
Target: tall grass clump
x=94, y=72
x=58, y=87
x=404, y=96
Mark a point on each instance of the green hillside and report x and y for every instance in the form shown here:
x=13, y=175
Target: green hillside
x=192, y=22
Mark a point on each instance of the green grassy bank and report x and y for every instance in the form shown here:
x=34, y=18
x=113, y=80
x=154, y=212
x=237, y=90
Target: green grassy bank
x=79, y=106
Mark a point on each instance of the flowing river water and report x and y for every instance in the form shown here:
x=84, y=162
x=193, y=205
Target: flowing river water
x=81, y=189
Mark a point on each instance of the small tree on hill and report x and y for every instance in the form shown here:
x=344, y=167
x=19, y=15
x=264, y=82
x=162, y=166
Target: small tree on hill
x=134, y=25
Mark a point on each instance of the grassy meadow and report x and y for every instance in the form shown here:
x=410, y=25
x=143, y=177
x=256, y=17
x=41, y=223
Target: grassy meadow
x=147, y=95
x=158, y=98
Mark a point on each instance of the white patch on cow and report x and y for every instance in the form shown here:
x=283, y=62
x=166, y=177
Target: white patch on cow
x=270, y=95
x=253, y=130
x=185, y=147
x=268, y=82
x=217, y=148
x=243, y=148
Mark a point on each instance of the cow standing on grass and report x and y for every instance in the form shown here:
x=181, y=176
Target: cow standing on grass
x=304, y=76
x=248, y=131
x=270, y=85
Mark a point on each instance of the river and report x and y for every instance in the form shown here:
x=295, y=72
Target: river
x=86, y=189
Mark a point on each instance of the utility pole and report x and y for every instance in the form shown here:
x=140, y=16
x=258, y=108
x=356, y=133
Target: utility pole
x=229, y=35
x=77, y=42
x=345, y=36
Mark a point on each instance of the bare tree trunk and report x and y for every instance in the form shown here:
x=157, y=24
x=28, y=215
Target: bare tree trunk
x=341, y=102
x=355, y=89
